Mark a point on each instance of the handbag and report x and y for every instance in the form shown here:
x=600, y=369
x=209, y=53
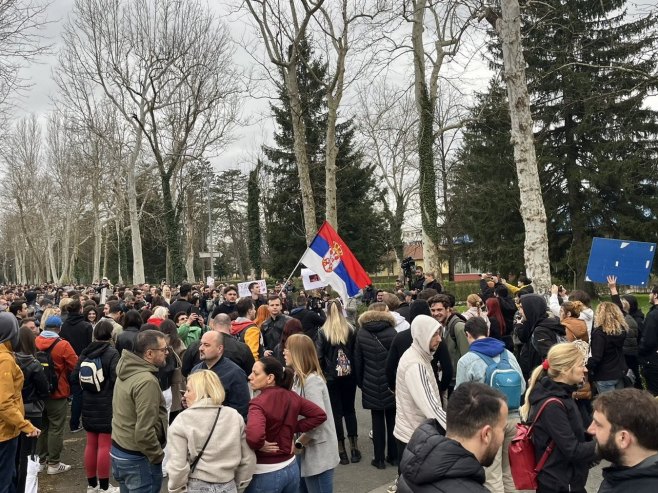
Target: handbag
x=198, y=457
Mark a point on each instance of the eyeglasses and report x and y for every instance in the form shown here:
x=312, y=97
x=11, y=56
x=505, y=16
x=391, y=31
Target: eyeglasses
x=165, y=349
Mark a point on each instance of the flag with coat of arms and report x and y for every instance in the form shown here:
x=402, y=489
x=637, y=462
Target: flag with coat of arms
x=330, y=258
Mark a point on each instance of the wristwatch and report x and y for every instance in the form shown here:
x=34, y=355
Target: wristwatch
x=299, y=445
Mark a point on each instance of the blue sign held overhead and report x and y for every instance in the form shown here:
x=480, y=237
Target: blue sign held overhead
x=630, y=261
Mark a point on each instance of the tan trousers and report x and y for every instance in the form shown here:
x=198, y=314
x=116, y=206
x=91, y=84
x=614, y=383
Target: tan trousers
x=499, y=475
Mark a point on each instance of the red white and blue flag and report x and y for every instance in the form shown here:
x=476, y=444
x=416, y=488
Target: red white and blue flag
x=330, y=258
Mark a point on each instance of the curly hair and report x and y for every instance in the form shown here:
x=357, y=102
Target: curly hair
x=610, y=318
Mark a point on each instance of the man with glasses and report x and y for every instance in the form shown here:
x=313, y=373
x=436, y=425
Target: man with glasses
x=139, y=424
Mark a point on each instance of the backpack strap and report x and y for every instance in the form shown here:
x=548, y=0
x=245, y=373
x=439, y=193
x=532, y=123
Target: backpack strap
x=551, y=444
x=487, y=359
x=50, y=349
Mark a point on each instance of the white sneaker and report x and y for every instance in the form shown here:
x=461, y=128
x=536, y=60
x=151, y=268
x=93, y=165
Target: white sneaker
x=58, y=468
x=42, y=466
x=110, y=489
x=92, y=489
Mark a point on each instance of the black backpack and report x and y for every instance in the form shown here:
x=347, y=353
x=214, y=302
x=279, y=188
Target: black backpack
x=46, y=360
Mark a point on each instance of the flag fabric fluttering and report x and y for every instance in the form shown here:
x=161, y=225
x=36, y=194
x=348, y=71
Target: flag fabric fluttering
x=330, y=258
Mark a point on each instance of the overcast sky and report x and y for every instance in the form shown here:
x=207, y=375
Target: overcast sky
x=472, y=74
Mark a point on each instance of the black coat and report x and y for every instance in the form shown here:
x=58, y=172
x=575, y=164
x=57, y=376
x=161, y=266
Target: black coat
x=648, y=350
x=35, y=385
x=401, y=343
x=607, y=361
x=97, y=406
x=373, y=341
x=77, y=331
x=311, y=321
x=537, y=341
x=224, y=307
x=180, y=305
x=126, y=339
x=567, y=467
x=639, y=479
x=433, y=463
x=403, y=310
x=271, y=331
x=236, y=351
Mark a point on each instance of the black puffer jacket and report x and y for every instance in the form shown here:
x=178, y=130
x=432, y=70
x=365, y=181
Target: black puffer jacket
x=433, y=463
x=35, y=385
x=97, y=406
x=311, y=321
x=642, y=478
x=567, y=467
x=127, y=338
x=373, y=341
x=607, y=360
x=631, y=341
x=648, y=350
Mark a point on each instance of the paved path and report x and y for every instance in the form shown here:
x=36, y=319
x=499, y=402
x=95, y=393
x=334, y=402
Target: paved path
x=352, y=478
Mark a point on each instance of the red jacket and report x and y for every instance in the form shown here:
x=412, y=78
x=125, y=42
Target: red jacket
x=64, y=359
x=273, y=416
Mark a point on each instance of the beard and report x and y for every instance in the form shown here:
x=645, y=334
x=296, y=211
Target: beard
x=609, y=450
x=490, y=455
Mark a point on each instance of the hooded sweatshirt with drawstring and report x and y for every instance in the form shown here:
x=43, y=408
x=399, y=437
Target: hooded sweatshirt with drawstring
x=417, y=395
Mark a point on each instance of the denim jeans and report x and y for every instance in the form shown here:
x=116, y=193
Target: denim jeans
x=8, y=450
x=320, y=483
x=604, y=386
x=135, y=473
x=284, y=480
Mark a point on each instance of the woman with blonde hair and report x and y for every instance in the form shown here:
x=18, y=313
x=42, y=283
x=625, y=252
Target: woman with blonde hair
x=475, y=304
x=319, y=454
x=335, y=349
x=557, y=420
x=607, y=364
x=208, y=450
x=575, y=327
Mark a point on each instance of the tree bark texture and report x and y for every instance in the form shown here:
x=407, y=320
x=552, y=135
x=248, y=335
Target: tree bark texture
x=537, y=262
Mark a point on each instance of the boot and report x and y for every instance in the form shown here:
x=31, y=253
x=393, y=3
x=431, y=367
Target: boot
x=355, y=453
x=342, y=453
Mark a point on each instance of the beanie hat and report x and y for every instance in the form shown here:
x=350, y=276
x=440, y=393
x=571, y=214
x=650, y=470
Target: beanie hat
x=53, y=321
x=9, y=329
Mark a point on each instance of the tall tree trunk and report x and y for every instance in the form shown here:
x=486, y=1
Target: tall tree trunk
x=425, y=105
x=301, y=156
x=189, y=239
x=537, y=262
x=172, y=233
x=133, y=211
x=331, y=150
x=66, y=247
x=105, y=258
x=117, y=226
x=98, y=243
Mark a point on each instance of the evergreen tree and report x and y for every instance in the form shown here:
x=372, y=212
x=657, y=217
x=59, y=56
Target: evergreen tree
x=360, y=223
x=486, y=190
x=596, y=139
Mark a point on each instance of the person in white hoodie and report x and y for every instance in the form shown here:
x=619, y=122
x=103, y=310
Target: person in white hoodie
x=393, y=302
x=416, y=392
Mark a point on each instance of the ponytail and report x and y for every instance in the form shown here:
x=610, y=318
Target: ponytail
x=282, y=375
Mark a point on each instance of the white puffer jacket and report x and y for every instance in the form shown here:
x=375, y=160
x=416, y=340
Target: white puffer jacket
x=416, y=392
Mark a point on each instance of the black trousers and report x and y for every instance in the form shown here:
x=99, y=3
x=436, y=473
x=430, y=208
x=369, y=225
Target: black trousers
x=383, y=423
x=650, y=374
x=342, y=393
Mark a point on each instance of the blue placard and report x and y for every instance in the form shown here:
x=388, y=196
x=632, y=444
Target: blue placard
x=630, y=261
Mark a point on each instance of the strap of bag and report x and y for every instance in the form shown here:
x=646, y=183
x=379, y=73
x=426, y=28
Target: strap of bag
x=50, y=349
x=198, y=457
x=551, y=444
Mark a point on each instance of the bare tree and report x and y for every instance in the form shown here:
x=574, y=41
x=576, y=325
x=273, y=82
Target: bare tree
x=387, y=121
x=166, y=65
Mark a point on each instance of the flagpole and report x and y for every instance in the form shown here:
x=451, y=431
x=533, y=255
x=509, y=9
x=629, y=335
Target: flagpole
x=291, y=274
x=298, y=263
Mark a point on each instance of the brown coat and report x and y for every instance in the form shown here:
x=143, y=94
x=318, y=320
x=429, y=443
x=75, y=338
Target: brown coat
x=576, y=329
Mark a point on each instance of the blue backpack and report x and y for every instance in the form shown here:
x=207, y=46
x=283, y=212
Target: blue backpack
x=503, y=377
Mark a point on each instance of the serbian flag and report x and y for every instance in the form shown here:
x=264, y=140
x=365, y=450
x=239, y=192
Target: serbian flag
x=335, y=264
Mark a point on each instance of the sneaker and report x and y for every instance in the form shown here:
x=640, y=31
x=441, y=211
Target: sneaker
x=110, y=489
x=370, y=434
x=92, y=489
x=42, y=466
x=79, y=428
x=393, y=488
x=58, y=468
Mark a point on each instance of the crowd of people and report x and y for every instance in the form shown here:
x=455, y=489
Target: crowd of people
x=209, y=391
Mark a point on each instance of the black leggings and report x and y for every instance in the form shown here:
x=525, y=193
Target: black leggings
x=383, y=423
